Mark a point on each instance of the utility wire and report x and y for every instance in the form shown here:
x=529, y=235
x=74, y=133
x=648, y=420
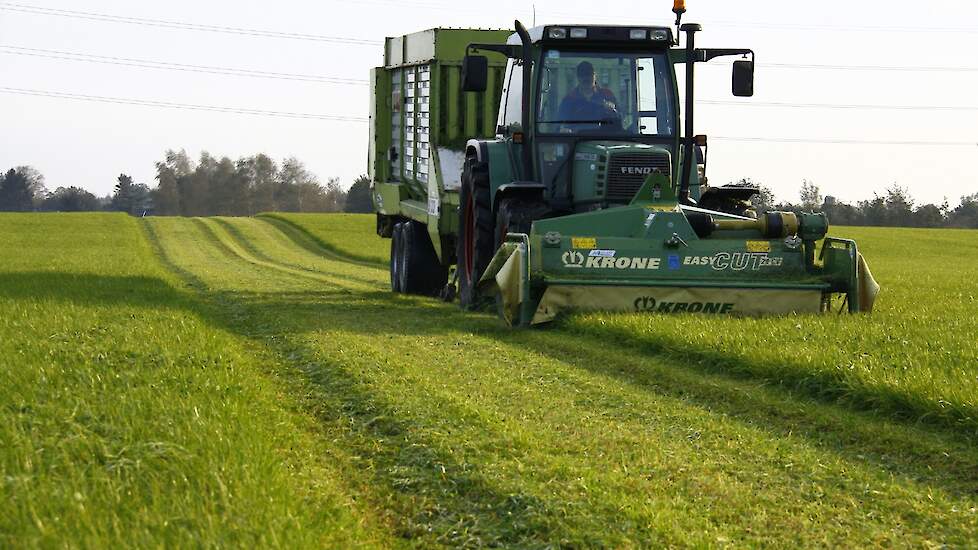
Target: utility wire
x=39, y=10
x=630, y=17
x=867, y=68
x=92, y=16
x=183, y=106
x=847, y=141
x=313, y=116
x=868, y=107
x=148, y=64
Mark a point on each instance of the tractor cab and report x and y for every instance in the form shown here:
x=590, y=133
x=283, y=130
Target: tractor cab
x=602, y=107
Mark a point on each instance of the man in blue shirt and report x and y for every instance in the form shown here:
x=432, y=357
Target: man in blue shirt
x=589, y=102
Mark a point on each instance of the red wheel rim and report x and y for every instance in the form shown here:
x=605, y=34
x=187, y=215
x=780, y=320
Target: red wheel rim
x=469, y=237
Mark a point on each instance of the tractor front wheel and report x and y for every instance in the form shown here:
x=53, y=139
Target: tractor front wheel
x=516, y=215
x=475, y=243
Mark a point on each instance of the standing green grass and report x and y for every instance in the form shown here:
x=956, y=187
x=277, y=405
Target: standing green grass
x=129, y=418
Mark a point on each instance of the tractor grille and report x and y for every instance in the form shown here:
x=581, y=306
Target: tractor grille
x=627, y=173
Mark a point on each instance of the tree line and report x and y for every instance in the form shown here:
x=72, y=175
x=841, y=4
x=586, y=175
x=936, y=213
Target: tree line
x=208, y=187
x=249, y=185
x=893, y=208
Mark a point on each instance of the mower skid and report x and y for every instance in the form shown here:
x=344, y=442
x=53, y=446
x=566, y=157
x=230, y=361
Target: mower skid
x=841, y=257
x=507, y=278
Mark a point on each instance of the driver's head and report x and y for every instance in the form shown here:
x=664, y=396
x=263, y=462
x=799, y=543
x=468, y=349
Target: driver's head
x=585, y=74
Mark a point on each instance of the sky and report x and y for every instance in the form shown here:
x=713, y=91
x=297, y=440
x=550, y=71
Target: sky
x=898, y=72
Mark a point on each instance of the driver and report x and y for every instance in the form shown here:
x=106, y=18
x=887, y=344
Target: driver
x=588, y=101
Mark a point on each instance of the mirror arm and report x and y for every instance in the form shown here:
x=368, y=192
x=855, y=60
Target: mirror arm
x=510, y=51
x=712, y=53
x=528, y=99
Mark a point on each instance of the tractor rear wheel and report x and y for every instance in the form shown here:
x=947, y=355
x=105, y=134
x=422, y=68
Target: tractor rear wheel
x=420, y=271
x=397, y=244
x=475, y=243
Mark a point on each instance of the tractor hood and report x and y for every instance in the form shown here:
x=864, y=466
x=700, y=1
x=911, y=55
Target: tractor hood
x=612, y=172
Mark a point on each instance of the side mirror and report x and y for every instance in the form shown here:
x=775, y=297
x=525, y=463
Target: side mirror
x=475, y=73
x=743, y=78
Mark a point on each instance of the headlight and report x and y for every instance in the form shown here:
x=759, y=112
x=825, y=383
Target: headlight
x=578, y=33
x=659, y=35
x=558, y=33
x=638, y=34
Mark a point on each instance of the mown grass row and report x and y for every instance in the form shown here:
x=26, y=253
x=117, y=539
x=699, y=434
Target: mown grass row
x=915, y=357
x=460, y=432
x=129, y=417
x=352, y=236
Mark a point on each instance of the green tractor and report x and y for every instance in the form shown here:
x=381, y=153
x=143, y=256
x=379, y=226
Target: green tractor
x=547, y=170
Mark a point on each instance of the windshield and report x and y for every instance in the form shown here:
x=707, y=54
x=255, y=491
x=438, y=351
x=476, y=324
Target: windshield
x=606, y=93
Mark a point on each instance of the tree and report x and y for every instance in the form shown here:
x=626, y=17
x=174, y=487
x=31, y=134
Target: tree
x=899, y=206
x=262, y=173
x=35, y=183
x=239, y=188
x=195, y=189
x=334, y=197
x=966, y=214
x=171, y=176
x=228, y=191
x=358, y=198
x=70, y=199
x=129, y=197
x=840, y=213
x=874, y=211
x=16, y=194
x=929, y=215
x=811, y=196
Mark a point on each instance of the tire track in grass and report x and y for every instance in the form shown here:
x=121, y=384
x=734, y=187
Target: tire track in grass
x=247, y=231
x=222, y=238
x=307, y=240
x=550, y=439
x=462, y=504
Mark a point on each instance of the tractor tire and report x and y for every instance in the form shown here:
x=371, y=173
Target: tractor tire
x=395, y=263
x=421, y=272
x=475, y=245
x=516, y=215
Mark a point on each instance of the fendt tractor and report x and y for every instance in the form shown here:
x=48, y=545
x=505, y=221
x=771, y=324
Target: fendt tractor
x=547, y=170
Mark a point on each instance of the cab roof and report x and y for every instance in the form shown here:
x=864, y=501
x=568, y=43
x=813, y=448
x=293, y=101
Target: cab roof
x=594, y=33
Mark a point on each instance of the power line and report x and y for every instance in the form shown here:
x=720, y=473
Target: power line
x=38, y=10
x=847, y=141
x=867, y=68
x=182, y=106
x=107, y=18
x=148, y=64
x=630, y=17
x=869, y=107
x=314, y=116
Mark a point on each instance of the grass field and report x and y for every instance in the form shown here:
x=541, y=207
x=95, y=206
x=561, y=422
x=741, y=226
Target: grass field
x=263, y=386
